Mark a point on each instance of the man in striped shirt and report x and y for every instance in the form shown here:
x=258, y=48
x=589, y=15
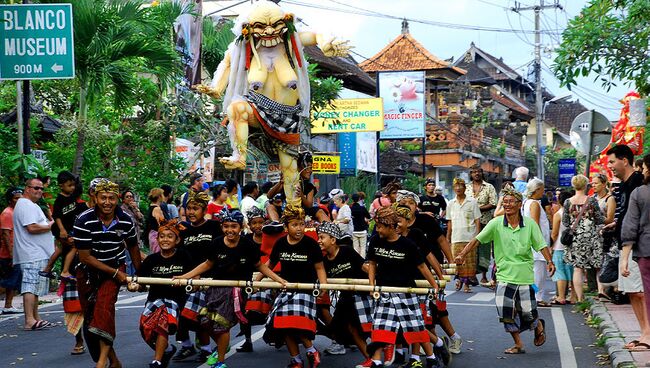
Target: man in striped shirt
x=100, y=235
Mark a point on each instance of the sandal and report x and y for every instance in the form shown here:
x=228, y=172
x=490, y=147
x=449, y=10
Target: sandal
x=557, y=302
x=458, y=285
x=631, y=344
x=540, y=336
x=543, y=304
x=639, y=346
x=78, y=350
x=467, y=290
x=604, y=298
x=49, y=275
x=39, y=325
x=515, y=350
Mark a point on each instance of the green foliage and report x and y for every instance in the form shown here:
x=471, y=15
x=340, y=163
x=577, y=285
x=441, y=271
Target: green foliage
x=609, y=39
x=216, y=38
x=413, y=183
x=323, y=90
x=497, y=147
x=362, y=183
x=551, y=159
x=7, y=96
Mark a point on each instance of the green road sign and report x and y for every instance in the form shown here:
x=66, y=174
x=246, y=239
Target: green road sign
x=36, y=41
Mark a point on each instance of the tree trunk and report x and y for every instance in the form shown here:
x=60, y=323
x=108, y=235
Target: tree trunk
x=81, y=132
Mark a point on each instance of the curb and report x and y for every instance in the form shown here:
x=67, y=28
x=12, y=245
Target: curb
x=619, y=356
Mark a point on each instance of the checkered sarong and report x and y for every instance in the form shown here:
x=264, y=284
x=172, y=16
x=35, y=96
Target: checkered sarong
x=70, y=297
x=365, y=306
x=293, y=310
x=159, y=317
x=195, y=302
x=398, y=313
x=279, y=122
x=258, y=306
x=516, y=305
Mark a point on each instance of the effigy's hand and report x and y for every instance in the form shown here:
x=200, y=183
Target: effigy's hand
x=334, y=48
x=201, y=88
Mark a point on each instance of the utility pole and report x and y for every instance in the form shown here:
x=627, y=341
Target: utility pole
x=539, y=101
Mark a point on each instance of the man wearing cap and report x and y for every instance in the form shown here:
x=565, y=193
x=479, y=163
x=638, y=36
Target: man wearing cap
x=515, y=237
x=196, y=185
x=431, y=202
x=100, y=235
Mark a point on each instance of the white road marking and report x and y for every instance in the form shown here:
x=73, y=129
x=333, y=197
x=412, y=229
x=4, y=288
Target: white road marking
x=132, y=299
x=491, y=305
x=481, y=297
x=567, y=355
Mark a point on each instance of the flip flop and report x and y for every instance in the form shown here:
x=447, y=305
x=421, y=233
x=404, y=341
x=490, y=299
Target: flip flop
x=78, y=350
x=49, y=275
x=640, y=346
x=631, y=344
x=540, y=335
x=68, y=278
x=38, y=325
x=557, y=302
x=514, y=350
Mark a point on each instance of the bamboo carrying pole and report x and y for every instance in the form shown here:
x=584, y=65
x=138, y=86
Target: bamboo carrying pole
x=249, y=285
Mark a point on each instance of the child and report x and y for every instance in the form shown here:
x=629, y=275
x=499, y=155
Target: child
x=429, y=308
x=294, y=313
x=232, y=258
x=389, y=255
x=353, y=311
x=159, y=318
x=256, y=220
x=66, y=209
x=197, y=238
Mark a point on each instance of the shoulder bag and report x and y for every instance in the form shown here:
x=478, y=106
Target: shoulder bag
x=569, y=234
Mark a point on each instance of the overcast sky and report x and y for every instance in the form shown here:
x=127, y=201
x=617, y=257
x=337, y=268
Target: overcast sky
x=369, y=34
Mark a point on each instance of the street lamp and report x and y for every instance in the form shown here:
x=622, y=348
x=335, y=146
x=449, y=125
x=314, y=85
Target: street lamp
x=540, y=161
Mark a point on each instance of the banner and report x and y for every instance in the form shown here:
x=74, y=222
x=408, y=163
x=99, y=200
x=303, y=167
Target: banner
x=566, y=168
x=367, y=152
x=404, y=110
x=350, y=115
x=194, y=159
x=326, y=164
x=348, y=147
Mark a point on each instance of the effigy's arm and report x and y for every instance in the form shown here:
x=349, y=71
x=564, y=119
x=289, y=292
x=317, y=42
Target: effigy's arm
x=219, y=80
x=331, y=47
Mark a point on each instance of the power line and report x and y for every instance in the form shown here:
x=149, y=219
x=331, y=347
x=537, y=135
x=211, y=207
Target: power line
x=414, y=20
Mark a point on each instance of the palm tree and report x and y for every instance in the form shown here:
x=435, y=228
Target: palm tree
x=115, y=40
x=216, y=38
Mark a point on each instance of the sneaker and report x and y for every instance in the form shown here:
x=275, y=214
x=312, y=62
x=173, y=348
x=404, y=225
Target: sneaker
x=313, y=359
x=212, y=359
x=414, y=364
x=389, y=354
x=400, y=359
x=442, y=352
x=273, y=227
x=11, y=310
x=455, y=345
x=366, y=364
x=155, y=365
x=434, y=363
x=246, y=347
x=167, y=356
x=295, y=364
x=204, y=355
x=184, y=353
x=335, y=349
x=219, y=365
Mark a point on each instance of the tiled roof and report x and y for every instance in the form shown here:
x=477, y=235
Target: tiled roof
x=345, y=69
x=561, y=115
x=508, y=102
x=475, y=75
x=405, y=53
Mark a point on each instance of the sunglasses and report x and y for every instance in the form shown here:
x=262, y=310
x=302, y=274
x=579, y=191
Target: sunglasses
x=35, y=188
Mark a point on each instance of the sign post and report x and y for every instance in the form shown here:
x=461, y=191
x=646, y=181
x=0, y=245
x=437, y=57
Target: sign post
x=36, y=42
x=566, y=168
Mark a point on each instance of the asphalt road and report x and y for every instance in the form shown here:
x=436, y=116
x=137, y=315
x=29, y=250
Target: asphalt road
x=569, y=341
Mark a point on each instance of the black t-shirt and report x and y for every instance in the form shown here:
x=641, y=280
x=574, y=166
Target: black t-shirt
x=346, y=265
x=297, y=260
x=237, y=263
x=67, y=209
x=197, y=240
x=625, y=190
x=424, y=247
x=433, y=204
x=432, y=231
x=394, y=261
x=359, y=216
x=155, y=265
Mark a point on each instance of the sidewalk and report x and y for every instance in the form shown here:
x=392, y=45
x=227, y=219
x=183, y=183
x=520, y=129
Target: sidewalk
x=619, y=327
x=18, y=301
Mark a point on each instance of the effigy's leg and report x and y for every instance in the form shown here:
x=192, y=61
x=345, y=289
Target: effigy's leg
x=289, y=168
x=240, y=114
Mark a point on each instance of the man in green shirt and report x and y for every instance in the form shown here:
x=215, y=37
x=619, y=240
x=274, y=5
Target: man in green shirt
x=515, y=237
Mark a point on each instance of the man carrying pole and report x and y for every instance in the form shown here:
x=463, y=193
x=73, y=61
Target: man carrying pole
x=515, y=237
x=99, y=235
